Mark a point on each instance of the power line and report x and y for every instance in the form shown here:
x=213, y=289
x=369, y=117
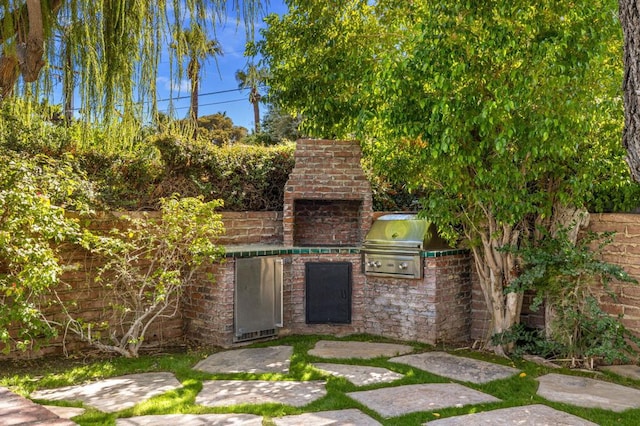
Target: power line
x=213, y=103
x=200, y=94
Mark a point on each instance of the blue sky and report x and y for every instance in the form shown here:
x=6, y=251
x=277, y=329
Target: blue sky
x=218, y=77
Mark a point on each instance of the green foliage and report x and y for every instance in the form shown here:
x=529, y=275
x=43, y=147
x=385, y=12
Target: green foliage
x=528, y=340
x=219, y=130
x=33, y=192
x=280, y=126
x=122, y=181
x=27, y=128
x=569, y=278
x=318, y=56
x=500, y=112
x=146, y=268
x=246, y=177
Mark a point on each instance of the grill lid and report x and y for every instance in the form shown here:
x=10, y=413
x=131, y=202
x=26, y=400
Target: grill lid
x=402, y=231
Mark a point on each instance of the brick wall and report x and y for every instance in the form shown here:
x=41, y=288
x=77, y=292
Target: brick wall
x=294, y=296
x=251, y=228
x=624, y=251
x=433, y=309
x=327, y=170
x=430, y=310
x=208, y=306
x=87, y=299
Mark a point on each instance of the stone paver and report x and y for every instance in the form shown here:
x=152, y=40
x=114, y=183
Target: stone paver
x=17, y=410
x=363, y=350
x=192, y=420
x=360, y=375
x=350, y=417
x=396, y=401
x=272, y=359
x=116, y=393
x=65, y=412
x=222, y=393
x=585, y=392
x=122, y=392
x=457, y=367
x=630, y=371
x=532, y=415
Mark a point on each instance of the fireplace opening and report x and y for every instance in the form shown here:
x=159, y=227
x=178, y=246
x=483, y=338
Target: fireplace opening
x=327, y=199
x=327, y=222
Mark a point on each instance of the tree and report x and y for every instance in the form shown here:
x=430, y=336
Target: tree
x=253, y=78
x=219, y=129
x=630, y=20
x=198, y=48
x=115, y=45
x=501, y=111
x=281, y=126
x=146, y=269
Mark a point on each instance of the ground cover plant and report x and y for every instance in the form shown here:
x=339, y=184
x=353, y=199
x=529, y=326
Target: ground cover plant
x=516, y=391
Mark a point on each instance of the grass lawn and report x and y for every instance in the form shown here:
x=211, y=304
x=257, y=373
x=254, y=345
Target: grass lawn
x=25, y=377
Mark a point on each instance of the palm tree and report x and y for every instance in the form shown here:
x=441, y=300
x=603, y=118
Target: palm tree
x=198, y=48
x=252, y=79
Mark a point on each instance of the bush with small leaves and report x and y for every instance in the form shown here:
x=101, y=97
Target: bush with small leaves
x=146, y=266
x=569, y=278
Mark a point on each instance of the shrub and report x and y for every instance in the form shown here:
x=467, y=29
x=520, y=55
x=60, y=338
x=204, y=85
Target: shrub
x=569, y=277
x=246, y=177
x=33, y=192
x=146, y=267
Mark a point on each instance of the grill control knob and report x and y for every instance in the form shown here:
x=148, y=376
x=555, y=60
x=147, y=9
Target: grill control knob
x=403, y=266
x=374, y=264
x=377, y=264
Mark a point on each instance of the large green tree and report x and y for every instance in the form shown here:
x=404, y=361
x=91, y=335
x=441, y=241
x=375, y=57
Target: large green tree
x=507, y=113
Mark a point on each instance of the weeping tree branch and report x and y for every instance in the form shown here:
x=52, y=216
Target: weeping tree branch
x=114, y=46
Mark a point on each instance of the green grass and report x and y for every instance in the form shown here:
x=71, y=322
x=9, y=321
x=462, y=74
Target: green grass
x=27, y=377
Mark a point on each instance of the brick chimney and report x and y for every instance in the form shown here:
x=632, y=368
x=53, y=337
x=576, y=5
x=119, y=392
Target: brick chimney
x=327, y=199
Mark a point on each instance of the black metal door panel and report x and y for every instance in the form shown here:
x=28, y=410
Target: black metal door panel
x=328, y=292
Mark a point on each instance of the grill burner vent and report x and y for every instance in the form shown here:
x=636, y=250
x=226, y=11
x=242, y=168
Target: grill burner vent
x=394, y=245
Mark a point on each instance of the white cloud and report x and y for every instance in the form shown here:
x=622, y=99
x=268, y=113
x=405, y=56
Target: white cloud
x=182, y=86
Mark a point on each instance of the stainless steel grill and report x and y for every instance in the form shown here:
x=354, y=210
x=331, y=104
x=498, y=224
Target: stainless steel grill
x=394, y=245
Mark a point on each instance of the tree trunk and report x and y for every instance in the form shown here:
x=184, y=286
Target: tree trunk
x=68, y=85
x=31, y=51
x=193, y=72
x=630, y=20
x=28, y=59
x=496, y=269
x=255, y=100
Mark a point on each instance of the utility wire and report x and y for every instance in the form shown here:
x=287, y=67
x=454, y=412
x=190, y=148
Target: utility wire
x=213, y=103
x=200, y=94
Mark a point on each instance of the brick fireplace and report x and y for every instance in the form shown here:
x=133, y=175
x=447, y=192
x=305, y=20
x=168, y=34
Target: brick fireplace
x=327, y=199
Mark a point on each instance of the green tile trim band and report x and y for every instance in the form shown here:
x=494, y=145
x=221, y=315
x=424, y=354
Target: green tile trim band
x=324, y=250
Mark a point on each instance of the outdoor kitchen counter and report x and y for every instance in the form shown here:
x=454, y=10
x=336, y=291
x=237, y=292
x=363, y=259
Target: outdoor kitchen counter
x=253, y=250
